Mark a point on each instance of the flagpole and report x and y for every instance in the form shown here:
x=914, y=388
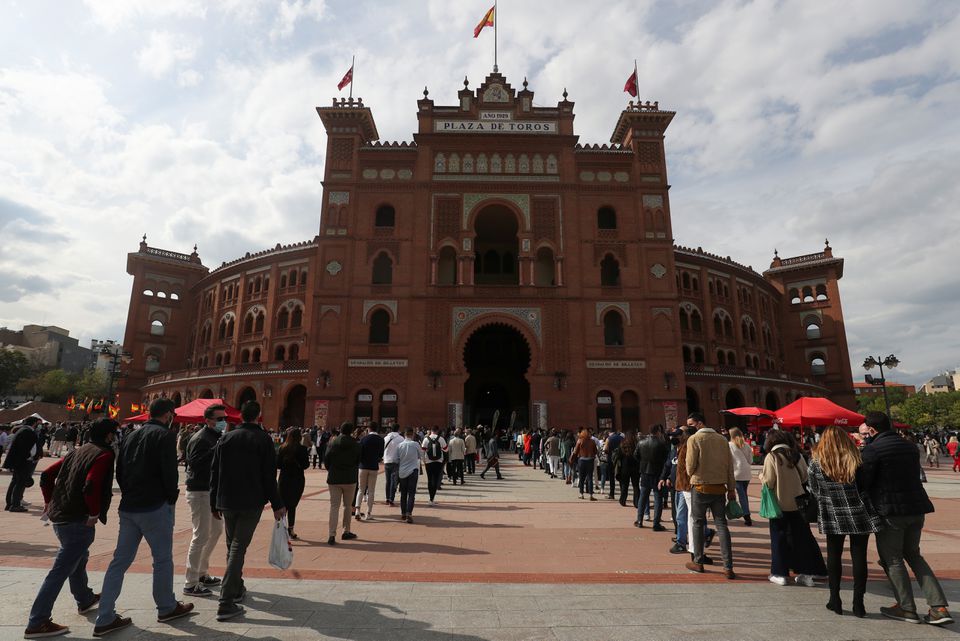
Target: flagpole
x=636, y=79
x=496, y=21
x=353, y=71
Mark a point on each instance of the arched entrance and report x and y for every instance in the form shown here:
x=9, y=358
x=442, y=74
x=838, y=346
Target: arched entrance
x=693, y=400
x=772, y=401
x=295, y=408
x=247, y=394
x=629, y=411
x=207, y=393
x=733, y=399
x=497, y=358
x=177, y=399
x=497, y=247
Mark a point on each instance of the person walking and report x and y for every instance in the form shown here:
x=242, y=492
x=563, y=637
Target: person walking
x=391, y=464
x=493, y=454
x=24, y=450
x=833, y=472
x=293, y=458
x=742, y=470
x=627, y=468
x=471, y=451
x=651, y=455
x=792, y=546
x=371, y=453
x=342, y=463
x=148, y=478
x=409, y=459
x=891, y=478
x=77, y=491
x=710, y=468
x=243, y=478
x=610, y=446
x=932, y=448
x=457, y=451
x=584, y=455
x=953, y=449
x=552, y=447
x=206, y=529
x=434, y=447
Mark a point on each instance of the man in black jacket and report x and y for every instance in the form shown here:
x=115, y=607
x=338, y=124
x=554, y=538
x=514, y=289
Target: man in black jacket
x=147, y=475
x=242, y=480
x=891, y=478
x=206, y=529
x=651, y=455
x=23, y=453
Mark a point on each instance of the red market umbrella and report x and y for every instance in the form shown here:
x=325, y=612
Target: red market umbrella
x=750, y=411
x=812, y=411
x=192, y=412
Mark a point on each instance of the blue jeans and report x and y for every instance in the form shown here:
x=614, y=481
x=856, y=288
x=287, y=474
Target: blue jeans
x=743, y=498
x=156, y=527
x=408, y=493
x=70, y=563
x=585, y=470
x=682, y=512
x=391, y=471
x=648, y=483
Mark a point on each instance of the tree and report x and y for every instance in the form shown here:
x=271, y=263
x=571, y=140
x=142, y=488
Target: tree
x=92, y=383
x=14, y=366
x=53, y=386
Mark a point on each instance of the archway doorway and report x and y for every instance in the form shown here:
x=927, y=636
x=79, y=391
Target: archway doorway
x=295, y=408
x=772, y=401
x=177, y=399
x=693, y=400
x=732, y=400
x=248, y=394
x=629, y=411
x=207, y=393
x=497, y=358
x=497, y=247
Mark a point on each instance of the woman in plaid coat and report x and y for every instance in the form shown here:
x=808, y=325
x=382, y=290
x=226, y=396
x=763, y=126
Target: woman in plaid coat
x=843, y=512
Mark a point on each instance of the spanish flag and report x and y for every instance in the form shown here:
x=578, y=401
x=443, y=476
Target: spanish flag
x=83, y=406
x=487, y=21
x=71, y=403
x=98, y=406
x=134, y=407
x=114, y=411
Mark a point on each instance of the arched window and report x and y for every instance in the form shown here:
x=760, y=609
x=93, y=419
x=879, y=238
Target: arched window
x=222, y=329
x=696, y=321
x=156, y=328
x=447, y=266
x=385, y=217
x=545, y=270
x=685, y=280
x=808, y=294
x=258, y=327
x=821, y=292
x=491, y=262
x=153, y=363
x=684, y=320
x=245, y=356
x=258, y=284
x=148, y=292
x=219, y=360
x=303, y=278
x=753, y=334
x=294, y=352
x=687, y=356
x=382, y=269
x=721, y=357
x=266, y=283
x=249, y=288
x=718, y=324
x=710, y=286
x=226, y=358
x=379, y=327
x=727, y=327
x=283, y=318
x=280, y=353
x=695, y=283
x=161, y=294
x=731, y=358
x=818, y=365
x=612, y=328
x=296, y=318
x=255, y=357
x=813, y=329
x=248, y=324
x=794, y=296
x=606, y=218
x=230, y=328
x=609, y=271
x=698, y=355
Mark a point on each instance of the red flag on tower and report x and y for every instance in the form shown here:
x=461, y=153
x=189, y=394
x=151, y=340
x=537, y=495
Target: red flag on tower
x=631, y=86
x=487, y=21
x=347, y=79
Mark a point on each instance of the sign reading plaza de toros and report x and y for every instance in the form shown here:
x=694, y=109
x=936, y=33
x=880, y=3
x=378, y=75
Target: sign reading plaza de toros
x=500, y=122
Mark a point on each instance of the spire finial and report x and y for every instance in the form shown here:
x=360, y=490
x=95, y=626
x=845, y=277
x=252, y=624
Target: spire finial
x=466, y=83
x=144, y=238
x=194, y=248
x=826, y=243
x=425, y=92
x=524, y=82
x=564, y=93
x=775, y=254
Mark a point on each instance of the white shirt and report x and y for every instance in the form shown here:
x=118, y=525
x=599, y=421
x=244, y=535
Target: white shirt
x=390, y=445
x=408, y=456
x=426, y=444
x=457, y=448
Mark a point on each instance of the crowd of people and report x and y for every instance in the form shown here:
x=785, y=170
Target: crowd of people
x=852, y=490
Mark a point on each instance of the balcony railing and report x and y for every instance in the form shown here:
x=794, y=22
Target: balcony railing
x=734, y=370
x=238, y=369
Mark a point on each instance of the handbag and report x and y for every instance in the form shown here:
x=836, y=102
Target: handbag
x=807, y=505
x=769, y=507
x=734, y=511
x=281, y=552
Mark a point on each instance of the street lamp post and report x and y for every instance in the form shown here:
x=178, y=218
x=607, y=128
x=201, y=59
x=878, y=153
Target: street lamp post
x=890, y=362
x=113, y=371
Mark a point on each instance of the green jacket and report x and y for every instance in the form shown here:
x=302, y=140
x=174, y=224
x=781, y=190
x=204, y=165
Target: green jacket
x=342, y=460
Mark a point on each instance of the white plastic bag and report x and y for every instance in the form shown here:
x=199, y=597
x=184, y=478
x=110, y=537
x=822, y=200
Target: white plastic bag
x=281, y=552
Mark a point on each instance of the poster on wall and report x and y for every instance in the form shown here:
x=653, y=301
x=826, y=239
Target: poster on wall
x=540, y=414
x=321, y=410
x=670, y=409
x=455, y=414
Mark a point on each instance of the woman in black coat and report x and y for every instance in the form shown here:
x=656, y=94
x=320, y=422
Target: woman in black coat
x=292, y=459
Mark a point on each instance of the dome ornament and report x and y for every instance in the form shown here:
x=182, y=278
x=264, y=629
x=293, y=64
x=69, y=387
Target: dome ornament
x=466, y=83
x=425, y=92
x=524, y=82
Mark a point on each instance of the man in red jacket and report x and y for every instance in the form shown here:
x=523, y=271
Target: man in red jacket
x=76, y=491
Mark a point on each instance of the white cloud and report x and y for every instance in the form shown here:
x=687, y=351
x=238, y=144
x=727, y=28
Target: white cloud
x=164, y=50
x=189, y=78
x=115, y=13
x=292, y=11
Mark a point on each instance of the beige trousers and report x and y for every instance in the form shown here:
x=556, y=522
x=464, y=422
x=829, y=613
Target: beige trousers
x=368, y=483
x=341, y=495
x=206, y=533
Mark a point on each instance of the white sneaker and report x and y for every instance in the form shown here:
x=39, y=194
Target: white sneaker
x=777, y=579
x=368, y=517
x=804, y=579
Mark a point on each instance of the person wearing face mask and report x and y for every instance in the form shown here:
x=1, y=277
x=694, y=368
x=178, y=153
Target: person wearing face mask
x=206, y=529
x=76, y=492
x=148, y=478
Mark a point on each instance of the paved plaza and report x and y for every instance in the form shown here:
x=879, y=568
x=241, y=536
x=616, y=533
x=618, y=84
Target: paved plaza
x=521, y=558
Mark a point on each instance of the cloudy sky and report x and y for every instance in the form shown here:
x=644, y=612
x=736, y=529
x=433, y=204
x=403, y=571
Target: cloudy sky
x=194, y=121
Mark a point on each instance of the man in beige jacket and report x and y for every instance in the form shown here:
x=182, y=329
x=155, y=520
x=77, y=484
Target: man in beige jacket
x=710, y=467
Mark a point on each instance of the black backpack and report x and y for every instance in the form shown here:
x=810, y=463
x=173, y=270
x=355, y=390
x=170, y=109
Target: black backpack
x=434, y=451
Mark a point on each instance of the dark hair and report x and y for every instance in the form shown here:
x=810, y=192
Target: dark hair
x=346, y=427
x=100, y=429
x=161, y=406
x=878, y=421
x=657, y=430
x=250, y=411
x=208, y=413
x=409, y=432
x=629, y=443
x=791, y=455
x=697, y=417
x=30, y=421
x=294, y=435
